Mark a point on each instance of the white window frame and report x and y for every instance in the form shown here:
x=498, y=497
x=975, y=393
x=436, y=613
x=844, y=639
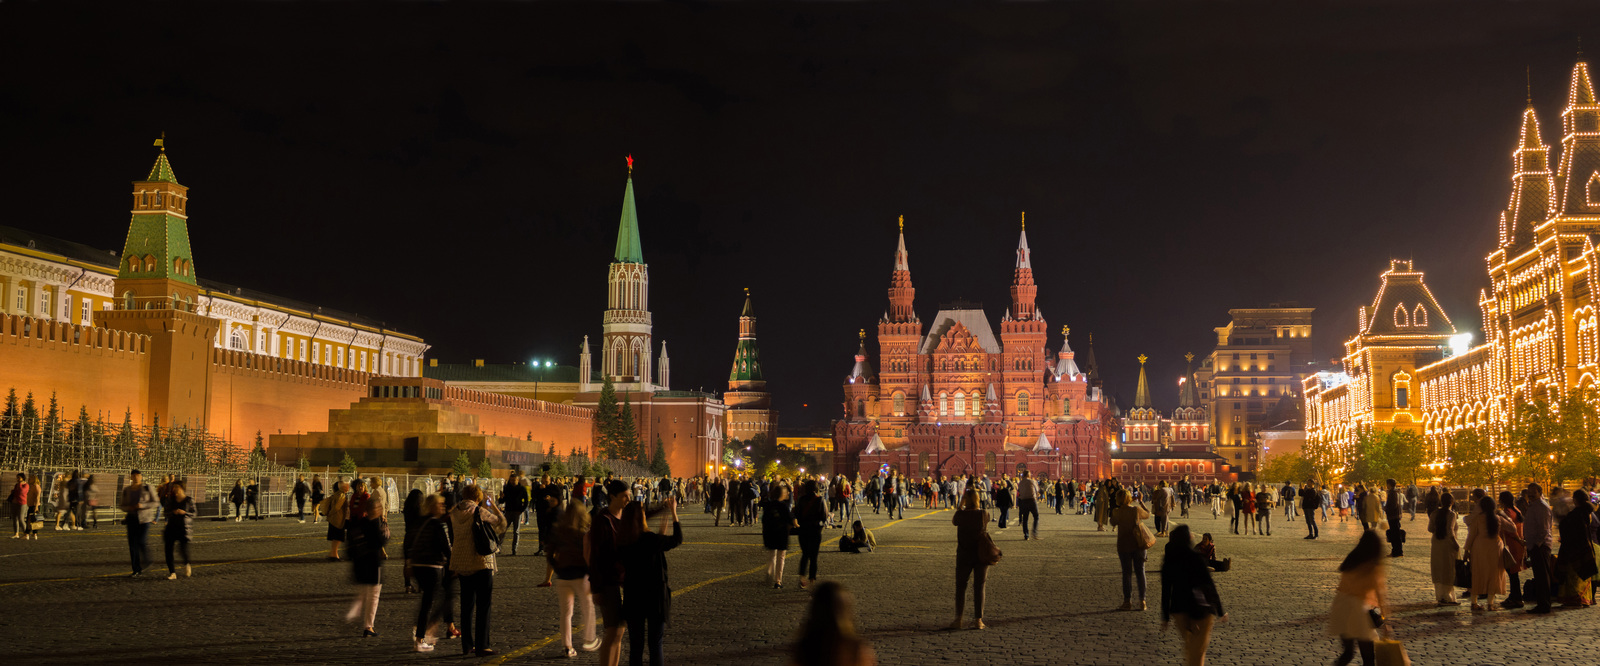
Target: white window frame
x=83, y=313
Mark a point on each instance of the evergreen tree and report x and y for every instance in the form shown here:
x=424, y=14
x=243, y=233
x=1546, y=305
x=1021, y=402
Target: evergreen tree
x=123, y=447
x=52, y=421
x=30, y=420
x=461, y=465
x=485, y=467
x=605, y=420
x=347, y=467
x=658, y=461
x=10, y=426
x=303, y=465
x=258, y=455
x=626, y=439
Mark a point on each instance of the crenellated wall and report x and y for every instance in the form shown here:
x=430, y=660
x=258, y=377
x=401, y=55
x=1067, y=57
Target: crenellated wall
x=97, y=368
x=254, y=392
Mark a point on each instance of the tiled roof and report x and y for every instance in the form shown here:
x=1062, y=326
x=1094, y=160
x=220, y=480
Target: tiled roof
x=162, y=171
x=1404, y=306
x=975, y=322
x=629, y=249
x=56, y=246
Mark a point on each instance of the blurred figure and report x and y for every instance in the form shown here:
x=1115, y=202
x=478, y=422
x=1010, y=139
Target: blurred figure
x=1188, y=596
x=175, y=536
x=828, y=637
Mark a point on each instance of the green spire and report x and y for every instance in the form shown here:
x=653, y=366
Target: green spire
x=629, y=251
x=746, y=362
x=162, y=171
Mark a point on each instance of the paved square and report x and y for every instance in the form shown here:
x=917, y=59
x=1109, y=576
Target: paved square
x=264, y=594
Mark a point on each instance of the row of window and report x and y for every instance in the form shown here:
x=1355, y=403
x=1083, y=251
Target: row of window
x=1153, y=468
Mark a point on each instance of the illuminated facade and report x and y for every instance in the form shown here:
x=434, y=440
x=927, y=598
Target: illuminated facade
x=1375, y=388
x=1158, y=448
x=1262, y=355
x=953, y=398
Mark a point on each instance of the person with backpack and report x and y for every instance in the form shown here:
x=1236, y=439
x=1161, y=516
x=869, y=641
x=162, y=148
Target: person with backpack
x=874, y=491
x=478, y=523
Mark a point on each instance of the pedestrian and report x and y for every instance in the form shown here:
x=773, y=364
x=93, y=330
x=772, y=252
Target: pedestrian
x=974, y=550
x=80, y=498
x=316, y=499
x=565, y=549
x=647, y=592
x=252, y=498
x=63, y=502
x=180, y=510
x=336, y=508
x=139, y=503
x=828, y=633
x=776, y=522
x=858, y=539
x=1344, y=502
x=1310, y=501
x=1362, y=590
x=472, y=560
x=810, y=514
x=1264, y=502
x=514, y=500
x=236, y=497
x=894, y=494
x=716, y=498
x=300, y=492
x=1133, y=540
x=1248, y=508
x=1511, y=529
x=1391, y=511
x=1188, y=596
x=18, y=503
x=1446, y=550
x=412, y=516
x=1185, y=494
x=1483, y=554
x=1028, y=503
x=1576, y=561
x=1538, y=528
x=428, y=556
x=368, y=535
x=1161, y=507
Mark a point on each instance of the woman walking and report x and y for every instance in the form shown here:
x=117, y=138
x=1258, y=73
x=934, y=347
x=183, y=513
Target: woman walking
x=368, y=535
x=1511, y=534
x=236, y=497
x=1264, y=504
x=1132, y=544
x=1446, y=550
x=1003, y=500
x=828, y=636
x=1248, y=495
x=811, y=514
x=337, y=510
x=1483, y=552
x=776, y=521
x=1188, y=596
x=972, y=538
x=18, y=502
x=427, y=554
x=1362, y=589
x=1576, y=561
x=63, y=503
x=474, y=567
x=179, y=529
x=646, y=592
x=316, y=499
x=567, y=548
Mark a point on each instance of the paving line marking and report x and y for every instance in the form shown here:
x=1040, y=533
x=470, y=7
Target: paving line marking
x=124, y=545
x=529, y=648
x=152, y=568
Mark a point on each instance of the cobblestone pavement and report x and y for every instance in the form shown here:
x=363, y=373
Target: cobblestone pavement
x=263, y=593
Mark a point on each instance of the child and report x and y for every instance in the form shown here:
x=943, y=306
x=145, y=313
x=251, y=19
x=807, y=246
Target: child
x=1208, y=550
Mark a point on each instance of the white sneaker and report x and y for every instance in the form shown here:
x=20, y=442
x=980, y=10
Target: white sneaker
x=172, y=576
x=591, y=646
x=423, y=646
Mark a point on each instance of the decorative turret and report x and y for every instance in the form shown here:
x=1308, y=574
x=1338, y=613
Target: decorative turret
x=663, y=368
x=625, y=354
x=925, y=410
x=584, y=366
x=1023, y=290
x=1141, y=395
x=1532, y=192
x=1188, y=396
x=157, y=269
x=861, y=372
x=1066, y=369
x=901, y=292
x=861, y=386
x=1578, y=178
x=1091, y=369
x=746, y=374
x=991, y=406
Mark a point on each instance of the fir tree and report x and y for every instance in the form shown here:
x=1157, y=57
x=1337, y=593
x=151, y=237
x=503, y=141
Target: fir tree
x=303, y=465
x=347, y=467
x=485, y=467
x=605, y=420
x=52, y=421
x=11, y=418
x=30, y=420
x=258, y=455
x=658, y=461
x=461, y=466
x=626, y=438
x=123, y=445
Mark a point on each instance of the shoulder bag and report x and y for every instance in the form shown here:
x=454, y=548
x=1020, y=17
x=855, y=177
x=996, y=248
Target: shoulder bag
x=988, y=553
x=484, y=538
x=1146, y=539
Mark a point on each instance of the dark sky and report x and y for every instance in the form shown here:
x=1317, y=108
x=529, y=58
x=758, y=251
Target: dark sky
x=457, y=171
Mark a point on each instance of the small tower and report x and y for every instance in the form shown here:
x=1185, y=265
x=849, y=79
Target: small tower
x=625, y=347
x=1191, y=429
x=584, y=367
x=663, y=368
x=1143, y=424
x=861, y=386
x=749, y=404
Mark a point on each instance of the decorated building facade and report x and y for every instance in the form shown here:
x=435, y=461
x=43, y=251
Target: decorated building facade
x=949, y=397
x=1158, y=448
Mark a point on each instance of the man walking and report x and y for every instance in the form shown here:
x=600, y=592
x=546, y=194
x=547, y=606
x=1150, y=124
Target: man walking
x=300, y=492
x=1537, y=529
x=1289, y=505
x=514, y=499
x=1028, y=503
x=1185, y=493
x=1391, y=512
x=139, y=502
x=1310, y=500
x=606, y=571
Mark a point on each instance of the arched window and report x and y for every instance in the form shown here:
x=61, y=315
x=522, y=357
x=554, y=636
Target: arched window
x=1066, y=406
x=1419, y=317
x=1125, y=469
x=1022, y=403
x=944, y=404
x=952, y=442
x=235, y=340
x=127, y=300
x=899, y=403
x=1401, y=319
x=988, y=463
x=861, y=408
x=961, y=404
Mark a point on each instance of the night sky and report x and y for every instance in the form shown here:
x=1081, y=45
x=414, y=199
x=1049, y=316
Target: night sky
x=457, y=171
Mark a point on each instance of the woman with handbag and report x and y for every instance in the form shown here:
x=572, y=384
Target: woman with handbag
x=428, y=555
x=1133, y=540
x=368, y=536
x=477, y=524
x=1516, y=552
x=1361, y=601
x=1188, y=595
x=975, y=553
x=1446, y=550
x=776, y=522
x=1483, y=552
x=811, y=514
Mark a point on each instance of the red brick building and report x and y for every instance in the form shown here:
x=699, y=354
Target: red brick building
x=952, y=398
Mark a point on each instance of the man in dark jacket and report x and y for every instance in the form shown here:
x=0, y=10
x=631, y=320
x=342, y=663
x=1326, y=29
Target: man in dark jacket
x=1391, y=512
x=514, y=500
x=300, y=492
x=252, y=499
x=1310, y=501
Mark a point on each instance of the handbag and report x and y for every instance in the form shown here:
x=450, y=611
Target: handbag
x=988, y=553
x=34, y=522
x=1376, y=616
x=1389, y=652
x=1396, y=535
x=1508, y=561
x=1147, y=539
x=484, y=539
x=1463, y=574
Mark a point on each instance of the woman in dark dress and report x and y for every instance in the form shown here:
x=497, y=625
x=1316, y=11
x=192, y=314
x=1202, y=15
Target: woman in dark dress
x=1188, y=596
x=367, y=535
x=811, y=514
x=645, y=589
x=776, y=521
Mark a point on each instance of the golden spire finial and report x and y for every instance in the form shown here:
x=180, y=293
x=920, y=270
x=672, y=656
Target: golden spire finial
x=1530, y=85
x=162, y=142
x=1189, y=357
x=1143, y=358
x=747, y=292
x=902, y=223
x=1024, y=220
x=862, y=334
x=1065, y=330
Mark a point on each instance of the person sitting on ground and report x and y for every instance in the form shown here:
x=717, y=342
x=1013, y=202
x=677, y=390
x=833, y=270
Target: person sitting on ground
x=859, y=539
x=1208, y=549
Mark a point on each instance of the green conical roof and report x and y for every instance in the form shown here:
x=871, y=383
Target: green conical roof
x=162, y=171
x=748, y=310
x=746, y=362
x=628, y=248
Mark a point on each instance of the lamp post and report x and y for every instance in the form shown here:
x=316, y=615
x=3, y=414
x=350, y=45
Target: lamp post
x=538, y=374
